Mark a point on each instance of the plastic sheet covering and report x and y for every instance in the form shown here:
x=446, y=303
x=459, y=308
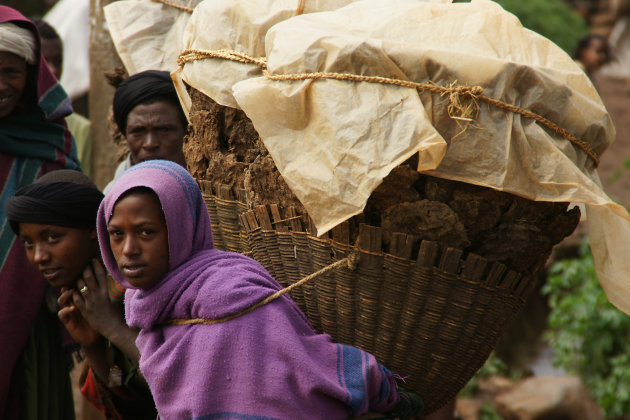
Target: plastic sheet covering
x=236, y=26
x=147, y=34
x=333, y=141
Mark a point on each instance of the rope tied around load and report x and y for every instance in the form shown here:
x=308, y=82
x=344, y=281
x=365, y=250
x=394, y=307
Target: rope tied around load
x=175, y=5
x=463, y=100
x=191, y=55
x=350, y=262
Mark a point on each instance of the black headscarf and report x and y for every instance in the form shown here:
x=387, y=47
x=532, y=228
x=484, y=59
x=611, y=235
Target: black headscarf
x=60, y=198
x=146, y=87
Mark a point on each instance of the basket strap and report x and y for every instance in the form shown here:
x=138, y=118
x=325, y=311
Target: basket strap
x=349, y=262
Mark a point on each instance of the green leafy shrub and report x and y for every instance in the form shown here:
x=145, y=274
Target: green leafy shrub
x=553, y=19
x=589, y=336
x=493, y=366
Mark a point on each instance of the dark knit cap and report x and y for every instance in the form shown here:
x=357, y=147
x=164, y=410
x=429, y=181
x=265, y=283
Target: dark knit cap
x=146, y=87
x=60, y=198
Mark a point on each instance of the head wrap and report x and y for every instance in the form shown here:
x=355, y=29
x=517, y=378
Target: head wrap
x=143, y=88
x=60, y=198
x=19, y=41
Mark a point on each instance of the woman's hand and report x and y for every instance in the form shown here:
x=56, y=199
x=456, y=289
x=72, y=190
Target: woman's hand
x=75, y=323
x=93, y=302
x=102, y=314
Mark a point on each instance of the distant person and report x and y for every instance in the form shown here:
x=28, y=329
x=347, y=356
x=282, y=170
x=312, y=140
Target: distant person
x=591, y=53
x=79, y=126
x=148, y=114
x=34, y=140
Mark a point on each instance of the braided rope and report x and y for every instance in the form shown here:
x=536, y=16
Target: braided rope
x=190, y=55
x=350, y=262
x=463, y=100
x=300, y=8
x=174, y=5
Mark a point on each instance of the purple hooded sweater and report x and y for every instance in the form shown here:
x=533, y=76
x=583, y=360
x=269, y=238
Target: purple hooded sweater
x=266, y=364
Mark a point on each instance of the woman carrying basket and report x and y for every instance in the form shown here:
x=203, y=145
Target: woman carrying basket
x=202, y=352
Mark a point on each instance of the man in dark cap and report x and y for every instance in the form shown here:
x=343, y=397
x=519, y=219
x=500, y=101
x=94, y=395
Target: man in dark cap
x=148, y=113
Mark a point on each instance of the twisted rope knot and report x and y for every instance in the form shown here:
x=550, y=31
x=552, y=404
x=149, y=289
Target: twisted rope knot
x=463, y=101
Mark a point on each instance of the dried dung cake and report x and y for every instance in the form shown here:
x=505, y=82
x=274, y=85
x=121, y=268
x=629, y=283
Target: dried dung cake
x=222, y=146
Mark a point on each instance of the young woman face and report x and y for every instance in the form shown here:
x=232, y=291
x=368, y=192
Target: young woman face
x=59, y=253
x=139, y=239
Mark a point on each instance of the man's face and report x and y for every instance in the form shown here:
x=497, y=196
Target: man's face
x=59, y=253
x=155, y=131
x=53, y=53
x=12, y=82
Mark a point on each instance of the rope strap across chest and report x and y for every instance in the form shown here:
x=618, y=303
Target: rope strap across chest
x=349, y=262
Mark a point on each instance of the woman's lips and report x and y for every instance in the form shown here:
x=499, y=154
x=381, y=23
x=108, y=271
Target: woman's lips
x=135, y=270
x=50, y=274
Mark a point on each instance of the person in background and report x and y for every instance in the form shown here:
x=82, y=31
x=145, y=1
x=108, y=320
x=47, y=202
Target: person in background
x=148, y=114
x=591, y=53
x=79, y=126
x=34, y=140
x=55, y=218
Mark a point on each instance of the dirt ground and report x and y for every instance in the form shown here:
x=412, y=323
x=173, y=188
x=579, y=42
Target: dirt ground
x=616, y=178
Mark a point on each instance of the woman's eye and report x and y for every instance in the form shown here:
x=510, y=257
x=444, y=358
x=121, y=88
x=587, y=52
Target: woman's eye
x=114, y=233
x=147, y=232
x=53, y=237
x=28, y=244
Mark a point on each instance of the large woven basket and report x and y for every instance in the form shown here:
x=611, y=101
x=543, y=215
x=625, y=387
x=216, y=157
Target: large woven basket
x=429, y=314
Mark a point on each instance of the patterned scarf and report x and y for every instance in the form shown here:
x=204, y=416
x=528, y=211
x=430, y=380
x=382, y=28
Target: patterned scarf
x=31, y=143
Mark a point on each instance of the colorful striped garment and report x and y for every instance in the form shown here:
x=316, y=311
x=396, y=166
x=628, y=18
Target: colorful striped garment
x=31, y=143
x=264, y=365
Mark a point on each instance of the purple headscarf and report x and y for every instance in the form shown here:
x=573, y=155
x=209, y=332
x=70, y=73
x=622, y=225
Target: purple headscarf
x=266, y=364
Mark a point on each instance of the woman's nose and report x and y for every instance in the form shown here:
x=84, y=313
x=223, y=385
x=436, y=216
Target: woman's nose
x=41, y=254
x=130, y=246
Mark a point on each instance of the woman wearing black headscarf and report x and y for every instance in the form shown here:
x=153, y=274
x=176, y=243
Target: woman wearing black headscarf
x=55, y=219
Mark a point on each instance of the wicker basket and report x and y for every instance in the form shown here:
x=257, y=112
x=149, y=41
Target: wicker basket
x=431, y=315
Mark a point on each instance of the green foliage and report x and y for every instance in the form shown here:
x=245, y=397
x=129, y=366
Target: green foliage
x=617, y=174
x=493, y=366
x=488, y=413
x=553, y=19
x=589, y=336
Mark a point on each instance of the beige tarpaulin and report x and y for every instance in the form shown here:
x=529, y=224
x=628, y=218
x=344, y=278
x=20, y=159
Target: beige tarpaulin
x=334, y=140
x=147, y=33
x=239, y=26
x=535, y=127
